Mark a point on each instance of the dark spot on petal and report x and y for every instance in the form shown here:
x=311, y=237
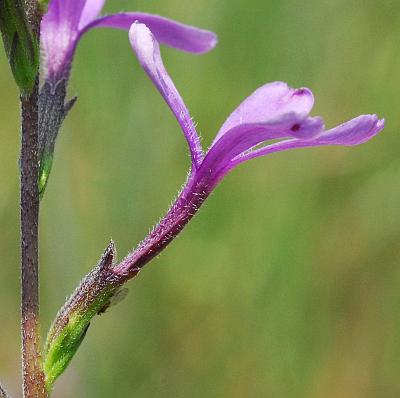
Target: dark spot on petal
x=300, y=91
x=295, y=127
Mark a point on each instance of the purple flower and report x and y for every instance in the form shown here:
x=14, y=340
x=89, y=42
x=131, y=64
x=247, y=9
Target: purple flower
x=61, y=29
x=67, y=20
x=273, y=112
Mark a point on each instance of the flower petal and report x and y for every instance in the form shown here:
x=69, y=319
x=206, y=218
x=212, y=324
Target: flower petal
x=244, y=137
x=59, y=33
x=274, y=111
x=90, y=12
x=268, y=104
x=166, y=31
x=353, y=132
x=148, y=52
x=67, y=20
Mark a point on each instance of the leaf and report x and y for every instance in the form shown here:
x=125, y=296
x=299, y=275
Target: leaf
x=20, y=43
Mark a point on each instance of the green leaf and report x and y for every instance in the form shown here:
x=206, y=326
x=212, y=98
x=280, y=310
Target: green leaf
x=20, y=44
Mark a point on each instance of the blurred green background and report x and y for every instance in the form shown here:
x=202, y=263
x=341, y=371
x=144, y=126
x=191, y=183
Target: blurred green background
x=287, y=284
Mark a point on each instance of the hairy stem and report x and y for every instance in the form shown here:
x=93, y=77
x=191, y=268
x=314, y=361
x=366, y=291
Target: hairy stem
x=33, y=377
x=181, y=212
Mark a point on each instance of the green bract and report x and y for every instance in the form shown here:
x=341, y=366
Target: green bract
x=61, y=348
x=20, y=44
x=96, y=292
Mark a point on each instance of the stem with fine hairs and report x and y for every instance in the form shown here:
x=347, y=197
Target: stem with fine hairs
x=33, y=378
x=32, y=373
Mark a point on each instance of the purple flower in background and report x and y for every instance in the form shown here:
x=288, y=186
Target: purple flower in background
x=61, y=29
x=273, y=112
x=67, y=20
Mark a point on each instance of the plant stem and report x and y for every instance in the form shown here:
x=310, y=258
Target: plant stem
x=33, y=377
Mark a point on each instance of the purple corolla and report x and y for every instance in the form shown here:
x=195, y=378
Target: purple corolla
x=67, y=20
x=61, y=29
x=273, y=112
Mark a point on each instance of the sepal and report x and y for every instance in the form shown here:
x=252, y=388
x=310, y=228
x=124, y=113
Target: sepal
x=93, y=296
x=52, y=111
